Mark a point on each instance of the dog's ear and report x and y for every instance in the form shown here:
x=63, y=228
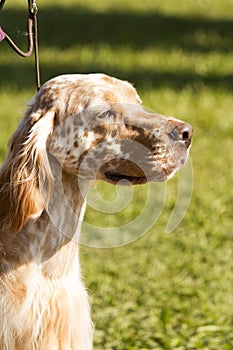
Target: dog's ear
x=26, y=177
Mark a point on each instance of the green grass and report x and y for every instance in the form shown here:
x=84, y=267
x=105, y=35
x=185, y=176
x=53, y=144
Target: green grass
x=164, y=291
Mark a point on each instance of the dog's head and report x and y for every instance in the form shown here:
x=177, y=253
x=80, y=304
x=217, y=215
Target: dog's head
x=95, y=127
x=105, y=133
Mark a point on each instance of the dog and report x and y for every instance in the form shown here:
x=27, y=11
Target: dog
x=77, y=128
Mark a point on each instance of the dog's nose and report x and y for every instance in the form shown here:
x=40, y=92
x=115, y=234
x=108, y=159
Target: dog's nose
x=182, y=132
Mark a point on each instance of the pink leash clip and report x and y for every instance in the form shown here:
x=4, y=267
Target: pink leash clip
x=2, y=35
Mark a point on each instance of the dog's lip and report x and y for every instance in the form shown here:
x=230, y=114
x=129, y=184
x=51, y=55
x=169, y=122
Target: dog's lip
x=115, y=177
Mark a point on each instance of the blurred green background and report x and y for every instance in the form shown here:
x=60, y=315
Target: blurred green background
x=162, y=291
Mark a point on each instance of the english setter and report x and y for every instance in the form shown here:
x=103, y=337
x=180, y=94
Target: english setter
x=77, y=128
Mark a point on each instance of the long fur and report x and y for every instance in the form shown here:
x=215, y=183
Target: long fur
x=26, y=177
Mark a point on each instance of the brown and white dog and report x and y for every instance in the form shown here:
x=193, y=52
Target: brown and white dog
x=77, y=128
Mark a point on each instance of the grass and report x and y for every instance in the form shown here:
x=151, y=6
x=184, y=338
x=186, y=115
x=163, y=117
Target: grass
x=164, y=291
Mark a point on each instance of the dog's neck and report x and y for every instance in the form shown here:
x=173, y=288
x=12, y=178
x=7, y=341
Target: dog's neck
x=67, y=204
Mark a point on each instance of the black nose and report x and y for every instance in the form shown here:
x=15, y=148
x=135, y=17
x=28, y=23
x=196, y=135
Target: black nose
x=182, y=132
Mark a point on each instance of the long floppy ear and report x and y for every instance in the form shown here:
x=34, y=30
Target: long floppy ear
x=26, y=177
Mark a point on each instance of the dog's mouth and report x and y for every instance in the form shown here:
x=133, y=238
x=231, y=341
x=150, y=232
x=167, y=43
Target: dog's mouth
x=126, y=172
x=123, y=171
x=114, y=178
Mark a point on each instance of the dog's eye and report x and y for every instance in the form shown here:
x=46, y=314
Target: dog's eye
x=107, y=114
